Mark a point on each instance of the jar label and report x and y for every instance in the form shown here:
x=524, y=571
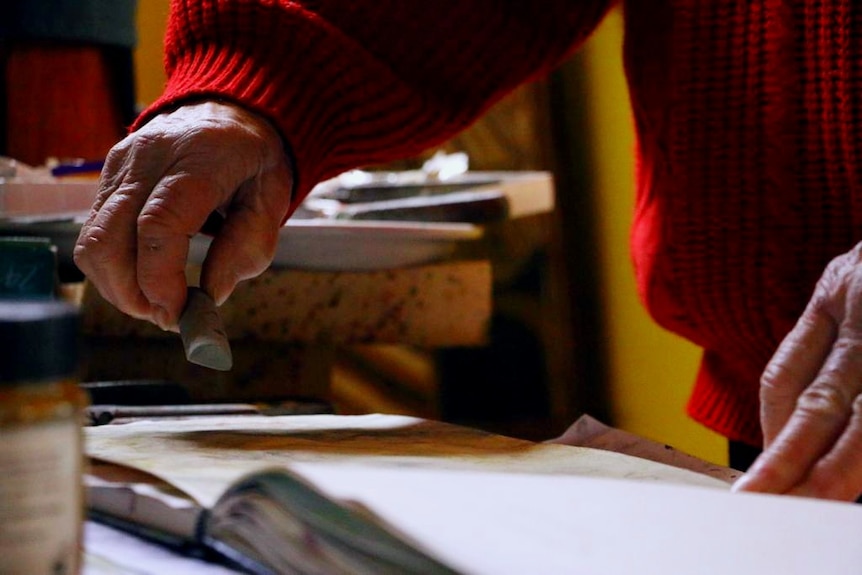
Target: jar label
x=41, y=502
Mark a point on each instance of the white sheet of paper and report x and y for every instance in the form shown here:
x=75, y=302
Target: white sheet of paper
x=491, y=523
x=112, y=552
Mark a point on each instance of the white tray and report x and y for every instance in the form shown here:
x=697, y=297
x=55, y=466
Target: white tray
x=344, y=245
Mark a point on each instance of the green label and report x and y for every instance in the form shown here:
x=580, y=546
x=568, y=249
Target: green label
x=28, y=268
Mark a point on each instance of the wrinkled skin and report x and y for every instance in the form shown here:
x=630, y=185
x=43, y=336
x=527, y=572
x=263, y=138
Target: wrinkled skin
x=157, y=189
x=811, y=395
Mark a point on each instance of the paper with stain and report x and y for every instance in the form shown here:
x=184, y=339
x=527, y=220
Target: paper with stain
x=488, y=504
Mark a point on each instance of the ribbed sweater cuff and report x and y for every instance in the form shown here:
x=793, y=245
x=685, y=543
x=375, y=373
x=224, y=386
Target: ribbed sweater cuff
x=720, y=404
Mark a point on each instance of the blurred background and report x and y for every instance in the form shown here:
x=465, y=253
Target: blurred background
x=568, y=334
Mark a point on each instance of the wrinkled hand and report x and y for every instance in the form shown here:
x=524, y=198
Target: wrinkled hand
x=157, y=189
x=811, y=395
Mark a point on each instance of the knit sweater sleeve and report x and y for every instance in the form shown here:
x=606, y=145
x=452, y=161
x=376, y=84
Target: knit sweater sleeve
x=352, y=83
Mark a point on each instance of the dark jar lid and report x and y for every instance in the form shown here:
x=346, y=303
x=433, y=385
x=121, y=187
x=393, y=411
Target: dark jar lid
x=39, y=341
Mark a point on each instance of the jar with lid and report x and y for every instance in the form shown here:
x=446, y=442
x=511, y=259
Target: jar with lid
x=41, y=495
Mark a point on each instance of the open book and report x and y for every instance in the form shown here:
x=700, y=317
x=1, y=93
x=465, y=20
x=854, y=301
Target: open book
x=391, y=494
x=271, y=521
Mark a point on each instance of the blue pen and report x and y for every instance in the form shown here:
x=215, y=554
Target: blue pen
x=77, y=168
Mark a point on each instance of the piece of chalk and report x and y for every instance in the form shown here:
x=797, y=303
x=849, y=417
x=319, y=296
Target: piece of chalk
x=202, y=332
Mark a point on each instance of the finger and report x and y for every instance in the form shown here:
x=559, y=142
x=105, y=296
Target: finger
x=821, y=415
x=112, y=175
x=106, y=247
x=838, y=475
x=247, y=241
x=792, y=368
x=177, y=208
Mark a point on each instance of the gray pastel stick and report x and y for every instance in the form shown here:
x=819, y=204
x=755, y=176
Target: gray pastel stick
x=202, y=332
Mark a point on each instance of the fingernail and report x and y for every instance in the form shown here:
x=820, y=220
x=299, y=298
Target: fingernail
x=221, y=291
x=162, y=317
x=220, y=298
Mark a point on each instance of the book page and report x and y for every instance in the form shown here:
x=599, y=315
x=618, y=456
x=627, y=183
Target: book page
x=202, y=455
x=143, y=500
x=587, y=431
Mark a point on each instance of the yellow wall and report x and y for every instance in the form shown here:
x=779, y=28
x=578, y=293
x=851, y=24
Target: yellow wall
x=150, y=76
x=651, y=369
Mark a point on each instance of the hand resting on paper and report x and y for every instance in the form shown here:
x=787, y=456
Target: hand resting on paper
x=158, y=188
x=811, y=395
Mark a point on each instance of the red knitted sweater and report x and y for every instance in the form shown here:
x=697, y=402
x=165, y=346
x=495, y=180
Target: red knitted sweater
x=747, y=116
